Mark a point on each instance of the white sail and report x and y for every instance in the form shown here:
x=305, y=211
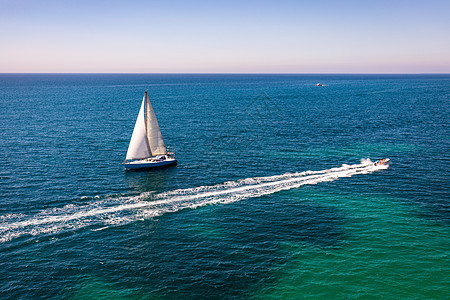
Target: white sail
x=139, y=147
x=155, y=139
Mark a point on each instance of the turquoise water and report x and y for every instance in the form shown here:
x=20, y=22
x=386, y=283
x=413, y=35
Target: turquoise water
x=274, y=195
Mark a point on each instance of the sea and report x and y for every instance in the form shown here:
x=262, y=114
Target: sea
x=275, y=195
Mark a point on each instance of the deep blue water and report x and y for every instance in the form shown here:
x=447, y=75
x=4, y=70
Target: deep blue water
x=236, y=218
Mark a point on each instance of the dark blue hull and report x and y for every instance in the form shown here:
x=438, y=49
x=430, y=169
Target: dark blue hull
x=137, y=166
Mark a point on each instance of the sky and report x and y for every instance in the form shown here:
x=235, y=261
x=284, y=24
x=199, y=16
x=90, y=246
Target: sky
x=200, y=36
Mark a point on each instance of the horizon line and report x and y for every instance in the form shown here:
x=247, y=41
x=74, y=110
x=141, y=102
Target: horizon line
x=233, y=73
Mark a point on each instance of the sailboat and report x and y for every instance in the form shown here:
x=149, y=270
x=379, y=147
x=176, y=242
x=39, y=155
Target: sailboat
x=147, y=149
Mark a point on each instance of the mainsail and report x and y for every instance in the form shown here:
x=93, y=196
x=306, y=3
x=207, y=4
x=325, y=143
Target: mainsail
x=147, y=139
x=155, y=139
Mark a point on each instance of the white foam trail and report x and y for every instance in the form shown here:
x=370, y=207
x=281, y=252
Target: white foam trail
x=124, y=209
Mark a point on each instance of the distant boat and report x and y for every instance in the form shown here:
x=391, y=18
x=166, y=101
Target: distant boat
x=319, y=84
x=147, y=149
x=381, y=161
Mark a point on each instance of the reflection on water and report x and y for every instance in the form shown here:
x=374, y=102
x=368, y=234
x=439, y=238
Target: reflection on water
x=149, y=180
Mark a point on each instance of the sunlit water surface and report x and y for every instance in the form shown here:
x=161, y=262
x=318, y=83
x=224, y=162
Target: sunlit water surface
x=275, y=194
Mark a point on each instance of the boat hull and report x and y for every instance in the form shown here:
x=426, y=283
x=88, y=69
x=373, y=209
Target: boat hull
x=145, y=164
x=382, y=161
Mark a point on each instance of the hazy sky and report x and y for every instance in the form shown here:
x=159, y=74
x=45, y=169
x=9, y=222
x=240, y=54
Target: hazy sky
x=322, y=36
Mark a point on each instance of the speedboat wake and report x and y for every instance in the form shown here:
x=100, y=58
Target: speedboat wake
x=120, y=210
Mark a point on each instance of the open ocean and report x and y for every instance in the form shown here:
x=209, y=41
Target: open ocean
x=274, y=196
